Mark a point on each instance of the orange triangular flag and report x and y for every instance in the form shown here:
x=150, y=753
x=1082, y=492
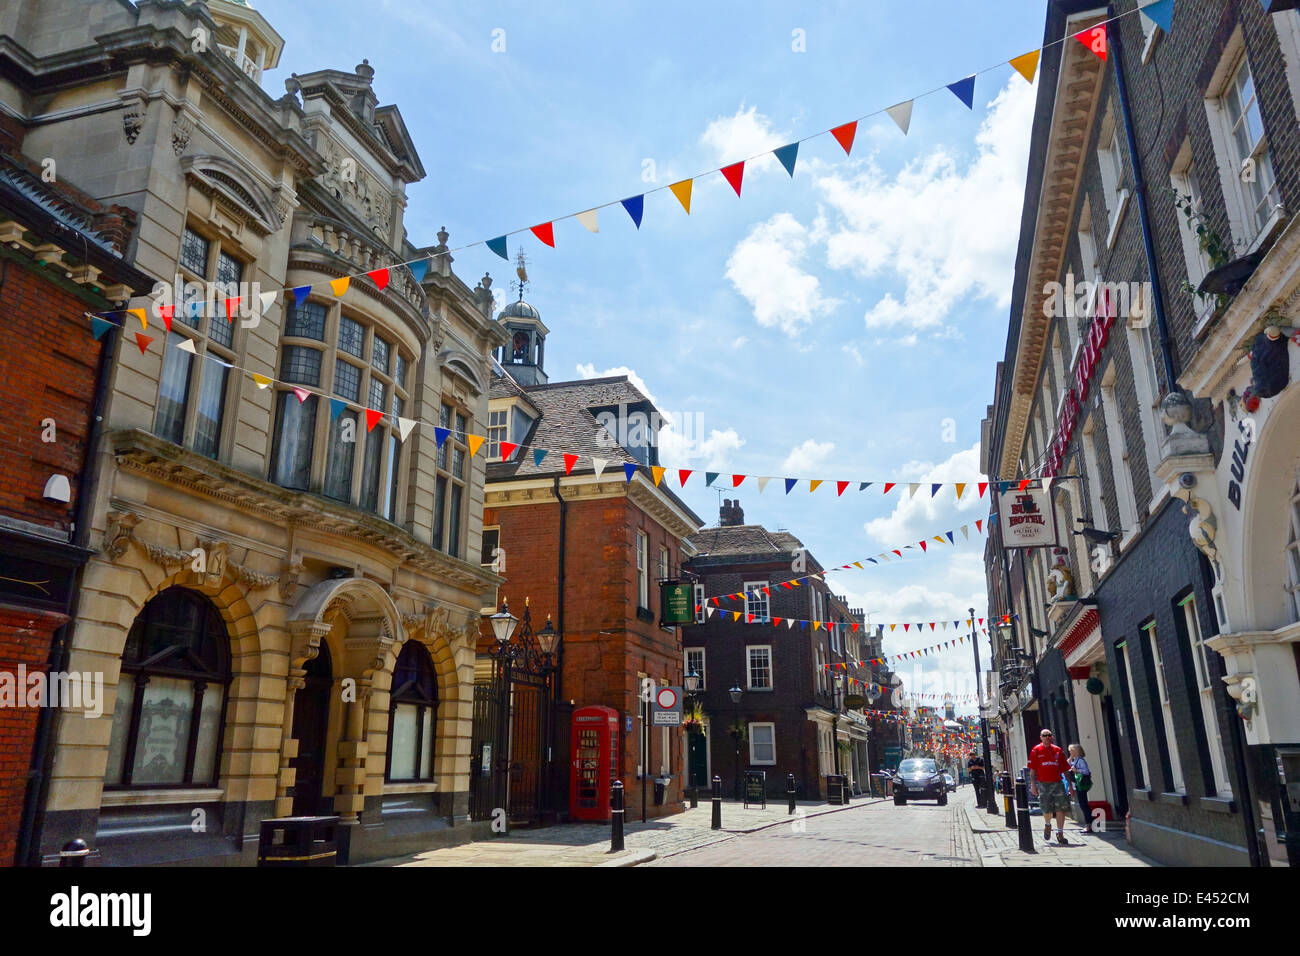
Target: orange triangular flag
x=657, y=472
x=475, y=442
x=682, y=191
x=813, y=483
x=143, y=341
x=339, y=286
x=1026, y=64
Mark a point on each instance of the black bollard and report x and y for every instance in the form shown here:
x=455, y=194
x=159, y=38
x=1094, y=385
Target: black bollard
x=616, y=817
x=1008, y=800
x=74, y=853
x=717, y=803
x=1022, y=815
x=789, y=791
x=695, y=797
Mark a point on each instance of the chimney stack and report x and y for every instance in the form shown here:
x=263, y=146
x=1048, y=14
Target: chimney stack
x=730, y=514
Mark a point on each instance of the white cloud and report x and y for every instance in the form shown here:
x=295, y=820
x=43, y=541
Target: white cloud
x=852, y=351
x=939, y=226
x=588, y=370
x=805, y=460
x=922, y=515
x=747, y=133
x=765, y=269
x=716, y=450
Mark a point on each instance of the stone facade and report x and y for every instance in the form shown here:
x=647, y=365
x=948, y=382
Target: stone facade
x=307, y=551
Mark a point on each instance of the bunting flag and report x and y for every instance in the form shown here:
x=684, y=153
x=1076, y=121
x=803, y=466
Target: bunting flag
x=265, y=299
x=683, y=474
x=538, y=455
x=964, y=90
x=635, y=206
x=787, y=155
x=507, y=449
x=339, y=286
x=844, y=136
x=232, y=306
x=589, y=220
x=682, y=191
x=1094, y=39
x=569, y=462
x=498, y=245
x=839, y=488
x=373, y=418
x=1161, y=13
x=629, y=471
x=813, y=485
x=762, y=483
x=379, y=277
x=598, y=466
x=302, y=394
x=419, y=269
x=440, y=435
x=143, y=341
x=657, y=472
x=300, y=294
x=167, y=313
x=404, y=426
x=261, y=380
x=337, y=405
x=736, y=171
x=545, y=233
x=735, y=616
x=1026, y=64
x=99, y=326
x=790, y=483
x=736, y=480
x=474, y=442
x=141, y=315
x=901, y=114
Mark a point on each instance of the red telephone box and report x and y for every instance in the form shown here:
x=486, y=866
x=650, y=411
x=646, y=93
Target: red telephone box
x=595, y=762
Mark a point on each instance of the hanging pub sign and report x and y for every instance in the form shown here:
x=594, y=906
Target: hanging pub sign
x=1027, y=518
x=677, y=603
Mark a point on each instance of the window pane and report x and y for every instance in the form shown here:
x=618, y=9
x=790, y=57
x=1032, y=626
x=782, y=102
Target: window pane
x=301, y=365
x=390, y=498
x=347, y=380
x=121, y=724
x=294, y=436
x=192, y=306
x=458, y=463
x=194, y=253
x=205, y=753
x=212, y=398
x=439, y=509
x=379, y=353
x=453, y=522
x=229, y=271
x=220, y=328
x=400, y=374
x=164, y=733
x=173, y=391
x=339, y=458
x=377, y=394
x=426, y=756
x=370, y=470
x=352, y=336
x=402, y=763
x=307, y=321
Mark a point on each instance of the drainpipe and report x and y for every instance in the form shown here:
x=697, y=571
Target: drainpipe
x=1139, y=197
x=38, y=785
x=559, y=610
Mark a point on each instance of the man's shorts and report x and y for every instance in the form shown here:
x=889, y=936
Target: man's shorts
x=1052, y=798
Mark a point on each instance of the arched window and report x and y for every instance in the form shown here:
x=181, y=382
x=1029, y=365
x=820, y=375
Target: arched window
x=412, y=715
x=171, y=696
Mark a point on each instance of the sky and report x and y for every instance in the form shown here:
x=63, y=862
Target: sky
x=843, y=323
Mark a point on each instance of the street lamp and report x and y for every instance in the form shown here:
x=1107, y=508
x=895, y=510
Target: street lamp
x=837, y=694
x=991, y=801
x=692, y=682
x=736, y=693
x=503, y=624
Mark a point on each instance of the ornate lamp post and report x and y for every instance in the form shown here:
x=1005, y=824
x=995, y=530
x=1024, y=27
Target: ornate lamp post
x=990, y=801
x=736, y=693
x=837, y=696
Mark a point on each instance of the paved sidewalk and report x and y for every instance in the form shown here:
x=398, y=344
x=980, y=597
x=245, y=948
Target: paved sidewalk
x=988, y=839
x=587, y=844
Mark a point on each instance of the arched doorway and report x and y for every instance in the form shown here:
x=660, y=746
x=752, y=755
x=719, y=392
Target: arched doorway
x=311, y=710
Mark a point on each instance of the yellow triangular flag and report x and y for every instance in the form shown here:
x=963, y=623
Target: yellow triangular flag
x=812, y=485
x=857, y=564
x=892, y=626
x=139, y=314
x=939, y=538
x=735, y=615
x=658, y=472
x=817, y=625
x=1026, y=65
x=794, y=584
x=261, y=380
x=682, y=191
x=475, y=442
x=339, y=286
x=961, y=486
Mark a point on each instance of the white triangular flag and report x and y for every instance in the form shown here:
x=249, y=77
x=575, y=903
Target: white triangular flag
x=187, y=345
x=1047, y=484
x=911, y=488
x=762, y=483
x=588, y=219
x=789, y=623
x=404, y=426
x=268, y=300
x=599, y=465
x=901, y=114
x=965, y=532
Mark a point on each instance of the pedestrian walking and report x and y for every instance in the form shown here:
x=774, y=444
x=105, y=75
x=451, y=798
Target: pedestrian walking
x=1049, y=769
x=1082, y=777
x=975, y=767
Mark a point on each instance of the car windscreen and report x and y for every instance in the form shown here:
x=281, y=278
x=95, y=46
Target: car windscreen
x=916, y=766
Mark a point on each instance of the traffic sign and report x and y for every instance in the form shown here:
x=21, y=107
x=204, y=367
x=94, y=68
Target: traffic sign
x=666, y=708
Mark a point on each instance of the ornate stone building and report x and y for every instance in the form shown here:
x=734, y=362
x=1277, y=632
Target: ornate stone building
x=284, y=596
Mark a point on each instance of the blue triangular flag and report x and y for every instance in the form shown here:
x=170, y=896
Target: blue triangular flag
x=1162, y=13
x=336, y=408
x=864, y=485
x=873, y=560
x=629, y=470
x=635, y=205
x=934, y=489
x=949, y=534
x=964, y=90
x=790, y=483
x=300, y=294
x=418, y=269
x=498, y=245
x=803, y=625
x=440, y=435
x=99, y=326
x=787, y=154
x=196, y=307
x=710, y=477
x=538, y=455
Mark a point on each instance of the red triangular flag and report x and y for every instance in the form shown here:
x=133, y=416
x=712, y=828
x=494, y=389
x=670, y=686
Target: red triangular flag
x=569, y=462
x=844, y=135
x=379, y=277
x=749, y=619
x=888, y=486
x=507, y=449
x=907, y=627
x=736, y=480
x=372, y=418
x=979, y=522
x=683, y=474
x=733, y=174
x=983, y=487
x=839, y=487
x=143, y=341
x=546, y=233
x=1094, y=39
x=776, y=622
x=167, y=312
x=922, y=543
x=232, y=304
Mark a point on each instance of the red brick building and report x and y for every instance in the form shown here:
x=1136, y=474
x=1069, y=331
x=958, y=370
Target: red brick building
x=588, y=549
x=61, y=255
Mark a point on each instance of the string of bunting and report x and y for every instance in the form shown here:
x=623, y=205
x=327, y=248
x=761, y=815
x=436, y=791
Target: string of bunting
x=1026, y=65
x=743, y=617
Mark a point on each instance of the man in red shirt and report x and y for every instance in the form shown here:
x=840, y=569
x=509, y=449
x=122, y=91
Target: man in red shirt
x=1049, y=772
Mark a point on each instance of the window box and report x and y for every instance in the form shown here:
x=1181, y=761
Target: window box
x=645, y=614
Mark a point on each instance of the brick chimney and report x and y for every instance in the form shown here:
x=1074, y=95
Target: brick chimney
x=730, y=514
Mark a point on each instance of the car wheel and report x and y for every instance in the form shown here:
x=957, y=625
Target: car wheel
x=900, y=801
x=943, y=799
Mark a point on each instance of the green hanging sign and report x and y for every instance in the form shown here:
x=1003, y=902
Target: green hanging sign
x=676, y=600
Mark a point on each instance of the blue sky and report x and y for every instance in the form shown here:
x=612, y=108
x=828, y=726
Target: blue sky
x=824, y=326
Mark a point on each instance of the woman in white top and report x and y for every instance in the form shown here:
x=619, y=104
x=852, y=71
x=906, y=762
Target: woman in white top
x=1082, y=781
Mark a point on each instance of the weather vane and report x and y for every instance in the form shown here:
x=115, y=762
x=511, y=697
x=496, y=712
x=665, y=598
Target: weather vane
x=521, y=270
